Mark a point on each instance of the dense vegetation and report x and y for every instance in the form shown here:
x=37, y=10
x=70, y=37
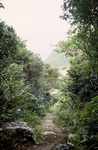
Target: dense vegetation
x=78, y=109
x=58, y=60
x=25, y=81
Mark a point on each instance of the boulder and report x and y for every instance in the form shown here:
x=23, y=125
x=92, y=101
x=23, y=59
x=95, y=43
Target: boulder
x=14, y=133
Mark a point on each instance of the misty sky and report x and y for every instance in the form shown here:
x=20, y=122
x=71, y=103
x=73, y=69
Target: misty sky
x=36, y=21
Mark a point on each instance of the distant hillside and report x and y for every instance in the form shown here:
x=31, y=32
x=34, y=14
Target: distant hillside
x=57, y=60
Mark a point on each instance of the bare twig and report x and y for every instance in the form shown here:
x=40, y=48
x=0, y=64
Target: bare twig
x=91, y=146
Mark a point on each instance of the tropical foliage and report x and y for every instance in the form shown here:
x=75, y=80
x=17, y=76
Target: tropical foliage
x=23, y=80
x=78, y=109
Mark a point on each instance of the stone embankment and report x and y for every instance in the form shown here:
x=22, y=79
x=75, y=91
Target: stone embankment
x=16, y=132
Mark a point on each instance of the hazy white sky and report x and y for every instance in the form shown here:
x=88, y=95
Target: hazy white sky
x=36, y=21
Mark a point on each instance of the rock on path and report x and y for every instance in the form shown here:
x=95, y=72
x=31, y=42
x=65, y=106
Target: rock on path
x=51, y=133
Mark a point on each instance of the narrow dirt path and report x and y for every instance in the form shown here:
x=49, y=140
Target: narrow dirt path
x=51, y=134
